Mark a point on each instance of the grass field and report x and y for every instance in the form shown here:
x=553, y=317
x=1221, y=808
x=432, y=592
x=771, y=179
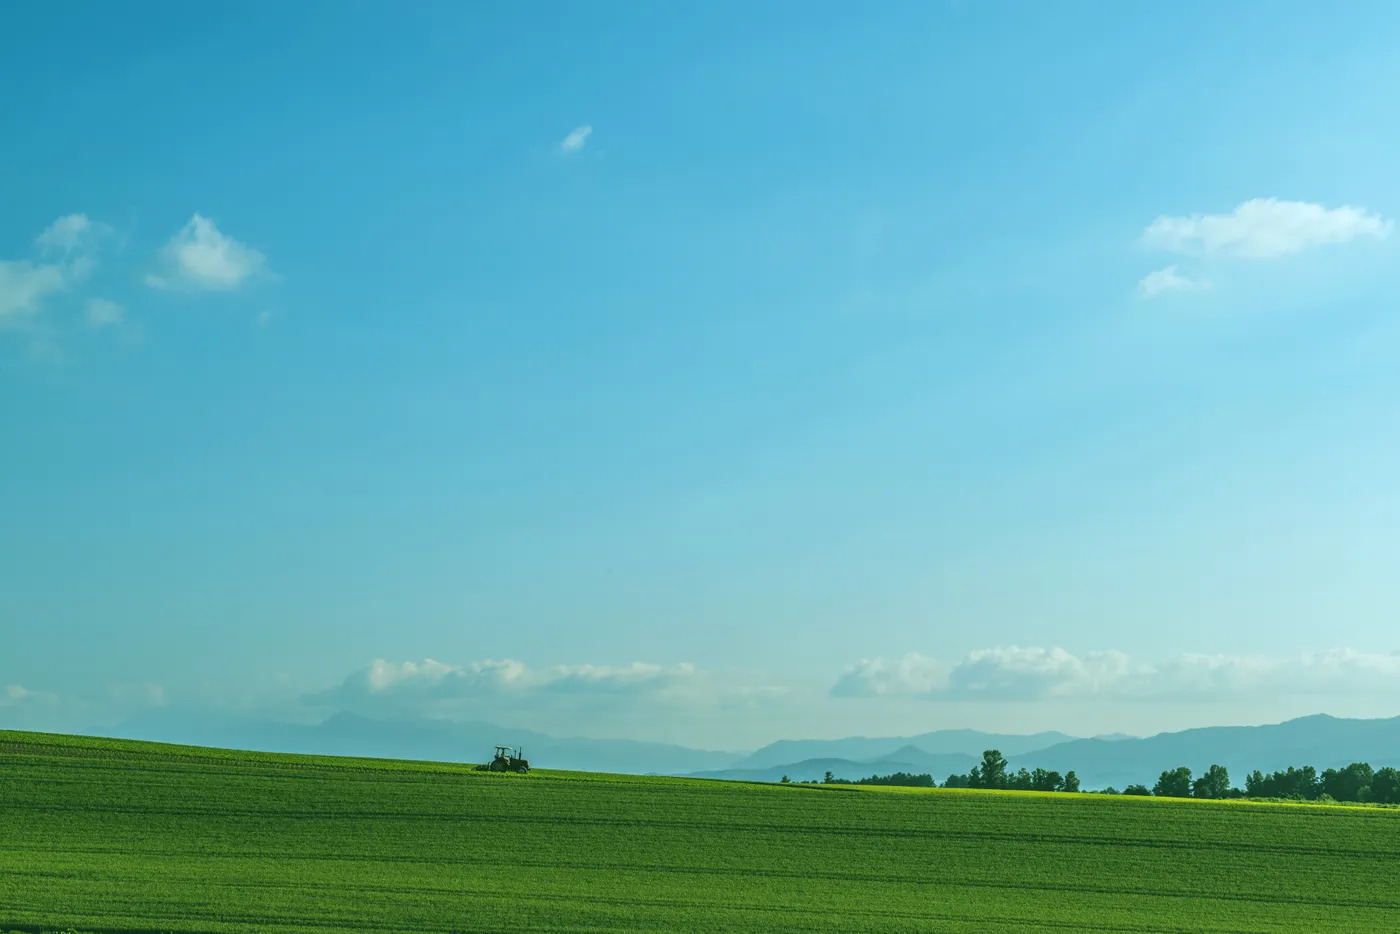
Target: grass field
x=102, y=835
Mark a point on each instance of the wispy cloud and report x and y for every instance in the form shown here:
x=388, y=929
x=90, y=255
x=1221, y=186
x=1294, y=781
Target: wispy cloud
x=1263, y=228
x=65, y=255
x=71, y=233
x=577, y=139
x=23, y=284
x=30, y=708
x=1028, y=673
x=200, y=257
x=102, y=312
x=1167, y=280
x=13, y=695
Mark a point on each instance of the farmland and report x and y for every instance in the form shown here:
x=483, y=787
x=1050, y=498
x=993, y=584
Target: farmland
x=101, y=835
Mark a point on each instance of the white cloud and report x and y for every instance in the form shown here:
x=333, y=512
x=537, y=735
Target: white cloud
x=1017, y=673
x=506, y=689
x=1264, y=228
x=1166, y=280
x=873, y=677
x=201, y=257
x=13, y=695
x=1213, y=675
x=577, y=139
x=23, y=284
x=67, y=247
x=68, y=233
x=381, y=675
x=102, y=312
x=433, y=679
x=1034, y=672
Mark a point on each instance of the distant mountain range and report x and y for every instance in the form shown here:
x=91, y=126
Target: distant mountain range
x=1320, y=740
x=861, y=748
x=939, y=753
x=1114, y=759
x=906, y=759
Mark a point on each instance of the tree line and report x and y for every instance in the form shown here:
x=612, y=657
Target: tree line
x=1357, y=782
x=995, y=772
x=923, y=780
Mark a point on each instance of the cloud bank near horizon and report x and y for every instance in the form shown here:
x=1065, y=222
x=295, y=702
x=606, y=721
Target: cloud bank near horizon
x=1016, y=673
x=494, y=686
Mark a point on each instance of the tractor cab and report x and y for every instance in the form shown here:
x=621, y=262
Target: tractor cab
x=509, y=759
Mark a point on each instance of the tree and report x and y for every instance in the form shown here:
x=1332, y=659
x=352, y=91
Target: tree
x=1174, y=783
x=1300, y=784
x=1352, y=783
x=1385, y=786
x=829, y=778
x=1214, y=784
x=1142, y=790
x=908, y=779
x=992, y=772
x=784, y=780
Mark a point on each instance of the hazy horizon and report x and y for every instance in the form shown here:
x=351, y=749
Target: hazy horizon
x=711, y=378
x=53, y=713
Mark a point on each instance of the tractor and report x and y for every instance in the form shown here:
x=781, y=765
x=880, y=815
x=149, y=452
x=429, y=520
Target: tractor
x=508, y=759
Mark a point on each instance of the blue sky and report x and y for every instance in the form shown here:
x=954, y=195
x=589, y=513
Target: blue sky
x=708, y=375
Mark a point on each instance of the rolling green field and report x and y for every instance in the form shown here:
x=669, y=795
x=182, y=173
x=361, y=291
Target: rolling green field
x=102, y=835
